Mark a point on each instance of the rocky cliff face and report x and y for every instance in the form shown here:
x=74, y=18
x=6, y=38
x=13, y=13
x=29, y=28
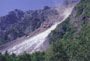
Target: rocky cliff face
x=18, y=23
x=30, y=29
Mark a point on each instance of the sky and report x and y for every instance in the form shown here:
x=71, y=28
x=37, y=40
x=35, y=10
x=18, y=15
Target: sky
x=25, y=5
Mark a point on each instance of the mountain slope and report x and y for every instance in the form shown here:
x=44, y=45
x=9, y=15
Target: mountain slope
x=35, y=43
x=18, y=23
x=71, y=40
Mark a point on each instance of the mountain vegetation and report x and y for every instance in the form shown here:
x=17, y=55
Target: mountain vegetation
x=70, y=41
x=19, y=23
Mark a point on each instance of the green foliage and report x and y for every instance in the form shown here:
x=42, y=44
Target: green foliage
x=38, y=56
x=72, y=47
x=59, y=32
x=25, y=57
x=83, y=8
x=56, y=53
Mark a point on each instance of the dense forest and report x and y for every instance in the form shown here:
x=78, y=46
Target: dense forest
x=70, y=41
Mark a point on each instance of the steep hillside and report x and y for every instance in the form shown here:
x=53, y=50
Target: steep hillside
x=71, y=39
x=36, y=40
x=18, y=23
x=77, y=19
